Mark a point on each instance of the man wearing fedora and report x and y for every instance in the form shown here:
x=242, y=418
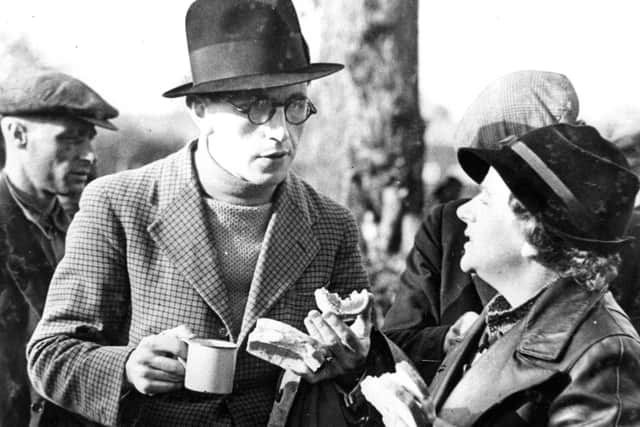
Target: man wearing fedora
x=47, y=125
x=203, y=242
x=552, y=348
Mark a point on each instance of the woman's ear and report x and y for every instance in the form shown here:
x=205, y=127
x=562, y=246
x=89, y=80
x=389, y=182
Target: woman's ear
x=528, y=250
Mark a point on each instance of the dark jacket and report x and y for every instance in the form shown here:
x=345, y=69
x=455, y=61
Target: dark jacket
x=24, y=279
x=626, y=287
x=574, y=360
x=434, y=292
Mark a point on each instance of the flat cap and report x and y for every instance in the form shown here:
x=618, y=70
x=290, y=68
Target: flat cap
x=46, y=91
x=515, y=104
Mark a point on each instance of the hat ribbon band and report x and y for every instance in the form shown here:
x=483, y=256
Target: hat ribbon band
x=576, y=209
x=247, y=57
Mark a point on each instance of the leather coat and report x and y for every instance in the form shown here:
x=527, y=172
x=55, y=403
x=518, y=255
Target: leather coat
x=574, y=360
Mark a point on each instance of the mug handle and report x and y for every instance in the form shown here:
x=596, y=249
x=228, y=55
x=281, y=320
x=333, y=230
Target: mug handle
x=182, y=361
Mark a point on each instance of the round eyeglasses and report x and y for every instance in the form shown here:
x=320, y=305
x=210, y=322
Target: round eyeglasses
x=297, y=109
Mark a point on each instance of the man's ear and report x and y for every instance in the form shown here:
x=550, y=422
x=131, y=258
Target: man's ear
x=198, y=107
x=528, y=250
x=14, y=131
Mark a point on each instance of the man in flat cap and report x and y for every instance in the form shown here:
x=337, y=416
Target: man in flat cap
x=47, y=122
x=204, y=242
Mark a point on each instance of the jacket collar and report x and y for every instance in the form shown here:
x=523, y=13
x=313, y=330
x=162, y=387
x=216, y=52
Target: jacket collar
x=546, y=335
x=182, y=230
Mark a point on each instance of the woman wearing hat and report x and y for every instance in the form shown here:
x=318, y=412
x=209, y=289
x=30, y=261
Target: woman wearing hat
x=436, y=301
x=552, y=348
x=204, y=242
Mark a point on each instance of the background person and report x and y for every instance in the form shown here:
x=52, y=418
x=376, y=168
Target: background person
x=626, y=289
x=203, y=242
x=48, y=123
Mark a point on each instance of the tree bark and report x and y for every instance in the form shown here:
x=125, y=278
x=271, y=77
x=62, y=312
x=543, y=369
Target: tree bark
x=388, y=152
x=365, y=146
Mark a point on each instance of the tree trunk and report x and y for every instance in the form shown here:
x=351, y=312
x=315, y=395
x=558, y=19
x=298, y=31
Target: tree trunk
x=369, y=126
x=388, y=154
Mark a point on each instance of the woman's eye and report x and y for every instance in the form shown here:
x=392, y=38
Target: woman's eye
x=483, y=198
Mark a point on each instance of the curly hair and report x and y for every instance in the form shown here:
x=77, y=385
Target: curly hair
x=589, y=268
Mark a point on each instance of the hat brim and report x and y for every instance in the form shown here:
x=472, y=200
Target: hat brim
x=97, y=122
x=259, y=81
x=527, y=187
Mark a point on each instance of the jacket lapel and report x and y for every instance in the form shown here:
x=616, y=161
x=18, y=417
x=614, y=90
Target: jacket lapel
x=494, y=376
x=181, y=230
x=288, y=248
x=450, y=370
x=28, y=265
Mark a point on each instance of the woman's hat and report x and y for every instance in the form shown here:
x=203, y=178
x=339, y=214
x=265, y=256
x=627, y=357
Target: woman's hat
x=246, y=44
x=577, y=182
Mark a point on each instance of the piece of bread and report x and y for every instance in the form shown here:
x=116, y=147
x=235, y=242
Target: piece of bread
x=289, y=348
x=285, y=346
x=398, y=396
x=348, y=307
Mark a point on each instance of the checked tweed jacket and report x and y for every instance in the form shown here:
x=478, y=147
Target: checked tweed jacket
x=140, y=259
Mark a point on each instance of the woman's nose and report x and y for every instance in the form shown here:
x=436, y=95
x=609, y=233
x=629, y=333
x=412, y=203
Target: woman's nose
x=464, y=211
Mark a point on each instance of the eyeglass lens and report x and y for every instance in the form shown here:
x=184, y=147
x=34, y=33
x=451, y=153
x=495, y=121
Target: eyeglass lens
x=296, y=110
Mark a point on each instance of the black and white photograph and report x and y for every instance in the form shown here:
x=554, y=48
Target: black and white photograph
x=310, y=213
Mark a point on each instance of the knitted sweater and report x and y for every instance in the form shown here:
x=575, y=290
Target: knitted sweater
x=238, y=231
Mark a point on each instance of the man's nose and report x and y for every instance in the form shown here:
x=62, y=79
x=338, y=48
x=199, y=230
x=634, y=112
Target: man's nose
x=86, y=152
x=277, y=126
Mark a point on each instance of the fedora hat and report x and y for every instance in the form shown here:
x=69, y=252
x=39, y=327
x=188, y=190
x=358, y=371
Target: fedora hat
x=577, y=183
x=246, y=44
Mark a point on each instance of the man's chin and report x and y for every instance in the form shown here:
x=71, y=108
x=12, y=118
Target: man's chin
x=71, y=190
x=267, y=179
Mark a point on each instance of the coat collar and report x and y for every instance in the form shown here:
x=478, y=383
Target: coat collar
x=547, y=333
x=529, y=354
x=182, y=230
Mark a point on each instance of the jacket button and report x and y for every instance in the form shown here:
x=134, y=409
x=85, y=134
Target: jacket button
x=223, y=332
x=37, y=406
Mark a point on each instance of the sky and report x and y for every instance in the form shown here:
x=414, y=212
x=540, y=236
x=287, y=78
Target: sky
x=129, y=51
x=132, y=51
x=464, y=45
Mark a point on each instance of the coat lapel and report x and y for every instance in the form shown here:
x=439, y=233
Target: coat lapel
x=497, y=374
x=182, y=231
x=288, y=248
x=450, y=370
